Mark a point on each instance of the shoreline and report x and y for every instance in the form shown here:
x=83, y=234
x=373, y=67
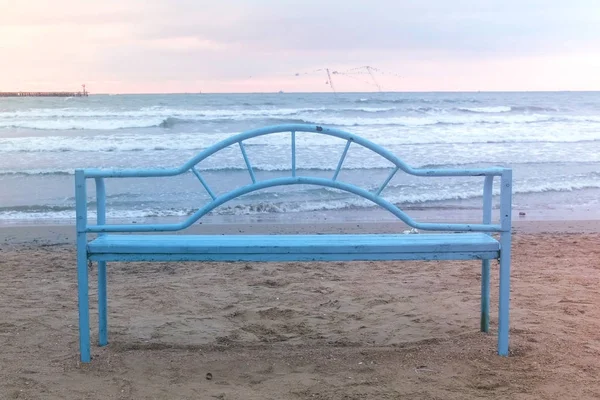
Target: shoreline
x=65, y=234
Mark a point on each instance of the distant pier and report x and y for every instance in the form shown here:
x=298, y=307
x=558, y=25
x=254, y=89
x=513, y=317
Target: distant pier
x=83, y=93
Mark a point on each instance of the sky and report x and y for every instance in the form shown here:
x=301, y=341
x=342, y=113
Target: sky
x=167, y=46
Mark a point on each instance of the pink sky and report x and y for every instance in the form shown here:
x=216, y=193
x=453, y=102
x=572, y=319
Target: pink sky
x=150, y=46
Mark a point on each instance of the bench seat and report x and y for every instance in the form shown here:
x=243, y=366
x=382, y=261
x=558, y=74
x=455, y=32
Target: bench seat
x=446, y=246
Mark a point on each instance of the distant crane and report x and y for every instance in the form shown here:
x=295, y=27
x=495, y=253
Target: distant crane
x=330, y=81
x=368, y=68
x=352, y=73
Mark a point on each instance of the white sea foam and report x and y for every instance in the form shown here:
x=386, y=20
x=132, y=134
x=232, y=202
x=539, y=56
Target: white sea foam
x=127, y=142
x=110, y=119
x=495, y=109
x=115, y=122
x=401, y=198
x=146, y=117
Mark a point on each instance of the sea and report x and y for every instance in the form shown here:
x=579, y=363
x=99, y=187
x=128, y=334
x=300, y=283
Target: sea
x=551, y=140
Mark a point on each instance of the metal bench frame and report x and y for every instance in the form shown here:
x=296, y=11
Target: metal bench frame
x=465, y=241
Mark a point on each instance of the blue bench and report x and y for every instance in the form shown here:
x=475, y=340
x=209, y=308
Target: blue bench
x=448, y=241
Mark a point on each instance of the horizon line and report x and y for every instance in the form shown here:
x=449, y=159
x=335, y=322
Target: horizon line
x=342, y=92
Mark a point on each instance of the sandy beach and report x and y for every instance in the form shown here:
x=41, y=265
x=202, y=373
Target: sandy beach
x=360, y=330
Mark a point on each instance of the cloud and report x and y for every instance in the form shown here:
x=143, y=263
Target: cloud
x=183, y=43
x=465, y=27
x=150, y=41
x=67, y=12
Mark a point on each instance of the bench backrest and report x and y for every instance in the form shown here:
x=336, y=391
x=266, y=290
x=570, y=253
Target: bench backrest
x=81, y=175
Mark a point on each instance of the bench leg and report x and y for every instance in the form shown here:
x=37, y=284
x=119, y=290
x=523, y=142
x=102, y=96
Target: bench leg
x=485, y=295
x=503, y=311
x=102, y=305
x=83, y=298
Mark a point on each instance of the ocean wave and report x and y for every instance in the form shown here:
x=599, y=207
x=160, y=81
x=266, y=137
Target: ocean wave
x=170, y=122
x=37, y=173
x=58, y=213
x=76, y=119
x=315, y=171
x=35, y=209
x=180, y=112
x=403, y=199
x=533, y=109
x=83, y=124
x=319, y=201
x=507, y=109
x=218, y=169
x=194, y=142
x=373, y=100
x=428, y=120
x=354, y=118
x=492, y=109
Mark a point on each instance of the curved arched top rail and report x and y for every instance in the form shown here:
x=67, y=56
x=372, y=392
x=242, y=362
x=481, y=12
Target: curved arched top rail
x=239, y=138
x=217, y=201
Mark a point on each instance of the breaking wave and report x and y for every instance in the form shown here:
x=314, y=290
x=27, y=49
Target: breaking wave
x=322, y=199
